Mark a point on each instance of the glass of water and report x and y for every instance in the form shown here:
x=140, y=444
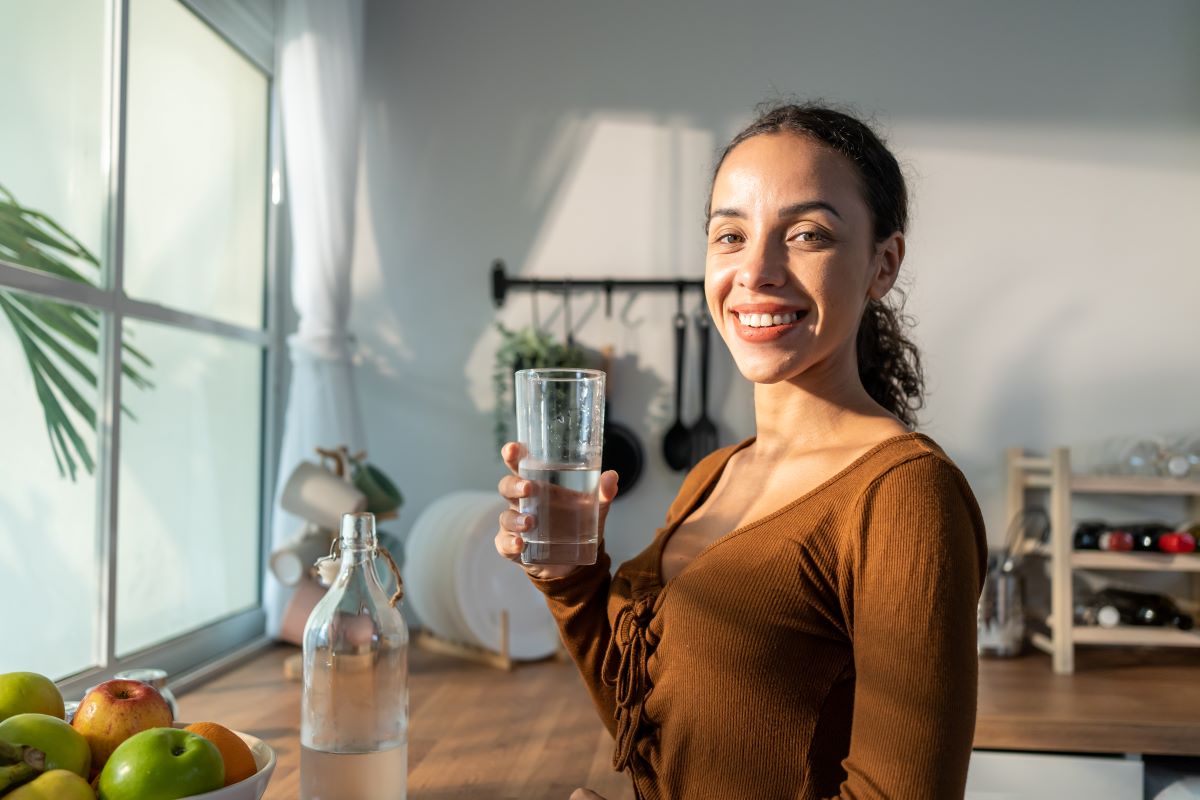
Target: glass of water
x=560, y=426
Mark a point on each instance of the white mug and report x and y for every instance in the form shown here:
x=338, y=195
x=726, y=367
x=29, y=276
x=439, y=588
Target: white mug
x=318, y=496
x=292, y=562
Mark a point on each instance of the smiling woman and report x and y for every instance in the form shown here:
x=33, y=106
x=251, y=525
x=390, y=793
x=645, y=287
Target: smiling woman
x=803, y=624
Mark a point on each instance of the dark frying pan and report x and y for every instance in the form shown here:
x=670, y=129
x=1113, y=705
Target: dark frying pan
x=622, y=448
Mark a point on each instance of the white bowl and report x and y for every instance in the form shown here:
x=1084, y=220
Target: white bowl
x=251, y=788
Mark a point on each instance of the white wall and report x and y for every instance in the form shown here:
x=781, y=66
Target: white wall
x=1054, y=152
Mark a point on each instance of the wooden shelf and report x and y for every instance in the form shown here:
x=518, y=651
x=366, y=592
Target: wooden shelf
x=1053, y=473
x=1136, y=637
x=1152, y=562
x=1118, y=484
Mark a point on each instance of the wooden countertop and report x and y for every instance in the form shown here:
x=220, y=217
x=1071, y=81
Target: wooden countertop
x=478, y=732
x=1118, y=701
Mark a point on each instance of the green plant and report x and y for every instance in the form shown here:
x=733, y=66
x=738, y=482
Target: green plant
x=52, y=335
x=526, y=348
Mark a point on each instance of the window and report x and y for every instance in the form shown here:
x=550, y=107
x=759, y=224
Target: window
x=137, y=333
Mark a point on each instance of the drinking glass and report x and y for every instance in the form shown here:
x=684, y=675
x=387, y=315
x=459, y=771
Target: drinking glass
x=560, y=426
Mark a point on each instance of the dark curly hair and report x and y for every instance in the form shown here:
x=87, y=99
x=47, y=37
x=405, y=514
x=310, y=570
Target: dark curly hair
x=889, y=363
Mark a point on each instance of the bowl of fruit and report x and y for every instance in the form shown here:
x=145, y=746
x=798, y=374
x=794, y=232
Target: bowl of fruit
x=121, y=744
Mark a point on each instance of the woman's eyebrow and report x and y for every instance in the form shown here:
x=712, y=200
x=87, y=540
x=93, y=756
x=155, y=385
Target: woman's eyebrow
x=726, y=212
x=787, y=211
x=811, y=205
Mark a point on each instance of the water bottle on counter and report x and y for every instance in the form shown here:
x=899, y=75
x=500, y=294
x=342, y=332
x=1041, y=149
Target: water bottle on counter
x=354, y=709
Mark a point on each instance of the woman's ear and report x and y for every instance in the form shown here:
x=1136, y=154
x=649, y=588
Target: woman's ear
x=889, y=254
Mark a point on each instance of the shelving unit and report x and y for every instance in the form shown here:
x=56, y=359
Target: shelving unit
x=1053, y=473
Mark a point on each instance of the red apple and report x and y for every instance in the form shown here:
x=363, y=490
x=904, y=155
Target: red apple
x=115, y=710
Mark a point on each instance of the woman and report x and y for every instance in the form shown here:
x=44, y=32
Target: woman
x=803, y=625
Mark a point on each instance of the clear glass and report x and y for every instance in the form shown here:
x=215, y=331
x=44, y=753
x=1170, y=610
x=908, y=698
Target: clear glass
x=50, y=590
x=196, y=168
x=189, y=511
x=354, y=707
x=560, y=425
x=54, y=81
x=1143, y=456
x=1182, y=457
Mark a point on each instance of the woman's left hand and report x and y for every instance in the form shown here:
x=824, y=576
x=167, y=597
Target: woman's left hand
x=584, y=794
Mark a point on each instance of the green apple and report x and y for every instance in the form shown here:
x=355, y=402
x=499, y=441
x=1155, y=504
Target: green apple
x=28, y=692
x=57, y=784
x=65, y=747
x=162, y=764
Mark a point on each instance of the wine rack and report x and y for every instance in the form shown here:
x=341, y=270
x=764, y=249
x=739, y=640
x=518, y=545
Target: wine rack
x=1053, y=473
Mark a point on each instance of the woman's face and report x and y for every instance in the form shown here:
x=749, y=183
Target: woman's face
x=791, y=257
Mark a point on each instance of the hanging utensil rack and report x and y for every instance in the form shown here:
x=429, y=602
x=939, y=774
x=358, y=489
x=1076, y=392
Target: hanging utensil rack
x=502, y=284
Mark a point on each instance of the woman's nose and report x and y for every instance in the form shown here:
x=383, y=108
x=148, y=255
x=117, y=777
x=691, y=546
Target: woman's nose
x=764, y=264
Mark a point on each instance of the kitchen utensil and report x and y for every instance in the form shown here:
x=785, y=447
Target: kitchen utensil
x=1001, y=613
x=1027, y=524
x=622, y=448
x=677, y=443
x=569, y=336
x=704, y=432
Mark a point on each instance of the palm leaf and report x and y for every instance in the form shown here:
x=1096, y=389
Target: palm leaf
x=47, y=330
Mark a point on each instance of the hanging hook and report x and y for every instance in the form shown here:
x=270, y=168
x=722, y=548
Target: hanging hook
x=567, y=312
x=533, y=294
x=679, y=285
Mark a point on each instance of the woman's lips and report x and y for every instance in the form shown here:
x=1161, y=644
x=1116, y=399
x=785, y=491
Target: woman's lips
x=766, y=334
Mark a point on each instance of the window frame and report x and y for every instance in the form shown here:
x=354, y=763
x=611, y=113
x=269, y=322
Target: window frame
x=190, y=656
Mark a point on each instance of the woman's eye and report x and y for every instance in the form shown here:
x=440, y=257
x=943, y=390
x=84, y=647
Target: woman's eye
x=810, y=236
x=728, y=238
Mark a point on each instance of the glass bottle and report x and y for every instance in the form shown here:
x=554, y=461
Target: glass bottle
x=354, y=711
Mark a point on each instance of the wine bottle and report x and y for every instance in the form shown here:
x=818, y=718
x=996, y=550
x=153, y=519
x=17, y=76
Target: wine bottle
x=1177, y=542
x=1087, y=534
x=1111, y=607
x=1117, y=541
x=1146, y=535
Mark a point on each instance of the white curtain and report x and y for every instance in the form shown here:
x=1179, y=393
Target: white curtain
x=320, y=80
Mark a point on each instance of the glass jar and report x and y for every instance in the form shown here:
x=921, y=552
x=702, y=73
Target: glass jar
x=354, y=709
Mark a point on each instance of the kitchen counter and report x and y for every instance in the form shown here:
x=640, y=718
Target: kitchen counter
x=1118, y=701
x=477, y=732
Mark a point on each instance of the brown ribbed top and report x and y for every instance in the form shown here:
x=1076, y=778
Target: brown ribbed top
x=825, y=650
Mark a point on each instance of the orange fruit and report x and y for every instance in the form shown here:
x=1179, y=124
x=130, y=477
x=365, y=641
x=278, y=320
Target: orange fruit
x=239, y=761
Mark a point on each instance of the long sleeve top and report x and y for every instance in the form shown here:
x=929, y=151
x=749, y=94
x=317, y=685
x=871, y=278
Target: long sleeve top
x=824, y=650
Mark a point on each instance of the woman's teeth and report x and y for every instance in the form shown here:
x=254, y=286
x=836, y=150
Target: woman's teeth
x=767, y=320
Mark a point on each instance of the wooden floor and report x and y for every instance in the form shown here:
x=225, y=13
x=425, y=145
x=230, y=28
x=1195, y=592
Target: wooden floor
x=476, y=732
x=532, y=734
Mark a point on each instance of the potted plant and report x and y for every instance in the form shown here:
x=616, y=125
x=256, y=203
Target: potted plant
x=526, y=348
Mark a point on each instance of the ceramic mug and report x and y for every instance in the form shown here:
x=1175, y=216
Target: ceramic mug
x=317, y=495
x=292, y=562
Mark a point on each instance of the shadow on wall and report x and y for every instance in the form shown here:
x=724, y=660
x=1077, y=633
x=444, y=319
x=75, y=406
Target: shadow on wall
x=576, y=140
x=603, y=195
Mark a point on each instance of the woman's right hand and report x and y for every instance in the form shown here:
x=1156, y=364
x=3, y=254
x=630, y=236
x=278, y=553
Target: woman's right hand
x=509, y=541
